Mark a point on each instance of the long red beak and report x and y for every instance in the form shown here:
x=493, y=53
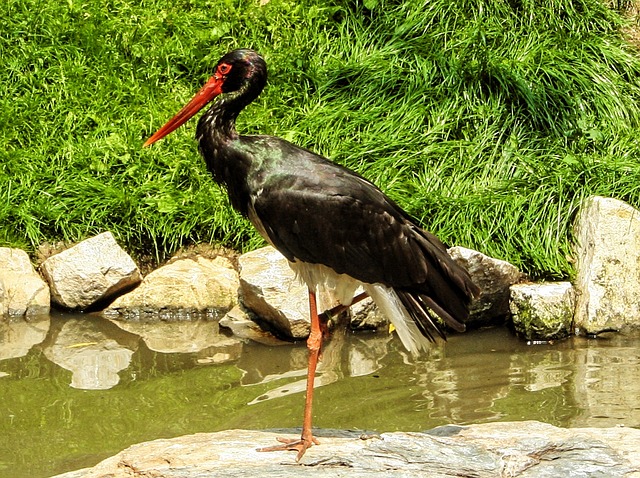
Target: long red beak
x=208, y=92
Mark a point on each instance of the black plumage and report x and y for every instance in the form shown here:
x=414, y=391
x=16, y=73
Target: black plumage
x=333, y=225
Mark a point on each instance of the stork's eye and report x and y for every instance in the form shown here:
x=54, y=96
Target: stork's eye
x=224, y=69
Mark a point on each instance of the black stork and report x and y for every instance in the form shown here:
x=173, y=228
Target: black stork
x=337, y=229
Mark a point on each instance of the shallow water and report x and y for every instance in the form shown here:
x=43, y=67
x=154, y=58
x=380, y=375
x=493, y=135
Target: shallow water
x=75, y=389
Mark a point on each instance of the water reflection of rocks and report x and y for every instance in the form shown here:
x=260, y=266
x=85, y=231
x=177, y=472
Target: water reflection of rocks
x=187, y=336
x=93, y=358
x=96, y=350
x=609, y=384
x=479, y=376
x=359, y=357
x=18, y=336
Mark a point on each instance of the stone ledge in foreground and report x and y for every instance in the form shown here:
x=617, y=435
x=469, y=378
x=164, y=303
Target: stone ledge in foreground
x=512, y=449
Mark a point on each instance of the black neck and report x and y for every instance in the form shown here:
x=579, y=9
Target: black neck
x=218, y=124
x=215, y=133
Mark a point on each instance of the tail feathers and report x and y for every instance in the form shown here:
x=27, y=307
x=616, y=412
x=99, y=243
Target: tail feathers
x=392, y=307
x=428, y=315
x=419, y=320
x=439, y=297
x=446, y=293
x=436, y=306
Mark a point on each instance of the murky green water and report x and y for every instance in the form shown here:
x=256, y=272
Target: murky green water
x=76, y=389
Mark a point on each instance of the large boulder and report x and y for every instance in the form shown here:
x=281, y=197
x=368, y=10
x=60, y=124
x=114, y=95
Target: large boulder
x=543, y=311
x=22, y=290
x=94, y=270
x=493, y=277
x=489, y=450
x=607, y=235
x=181, y=287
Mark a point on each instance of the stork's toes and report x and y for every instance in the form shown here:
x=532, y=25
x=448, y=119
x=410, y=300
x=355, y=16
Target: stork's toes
x=292, y=444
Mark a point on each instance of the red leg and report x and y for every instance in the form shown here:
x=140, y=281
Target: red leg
x=314, y=344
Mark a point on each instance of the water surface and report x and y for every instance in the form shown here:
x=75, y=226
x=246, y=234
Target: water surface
x=75, y=389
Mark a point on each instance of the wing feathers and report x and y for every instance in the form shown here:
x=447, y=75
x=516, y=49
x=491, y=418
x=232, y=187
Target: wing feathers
x=331, y=216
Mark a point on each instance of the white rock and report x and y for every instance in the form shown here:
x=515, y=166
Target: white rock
x=543, y=310
x=190, y=284
x=608, y=266
x=270, y=289
x=93, y=270
x=493, y=277
x=22, y=290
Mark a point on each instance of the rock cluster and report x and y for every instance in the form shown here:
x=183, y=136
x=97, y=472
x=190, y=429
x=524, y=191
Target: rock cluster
x=97, y=274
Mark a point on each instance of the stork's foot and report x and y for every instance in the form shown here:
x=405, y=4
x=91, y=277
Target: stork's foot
x=293, y=444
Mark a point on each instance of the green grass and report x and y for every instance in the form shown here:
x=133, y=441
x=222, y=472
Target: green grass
x=488, y=121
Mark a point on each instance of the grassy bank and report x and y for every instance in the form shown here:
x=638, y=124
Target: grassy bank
x=488, y=121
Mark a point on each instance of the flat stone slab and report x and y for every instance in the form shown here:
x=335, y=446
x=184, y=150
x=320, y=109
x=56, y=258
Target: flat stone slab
x=513, y=449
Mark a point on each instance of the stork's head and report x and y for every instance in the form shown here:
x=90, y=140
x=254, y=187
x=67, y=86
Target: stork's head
x=243, y=71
